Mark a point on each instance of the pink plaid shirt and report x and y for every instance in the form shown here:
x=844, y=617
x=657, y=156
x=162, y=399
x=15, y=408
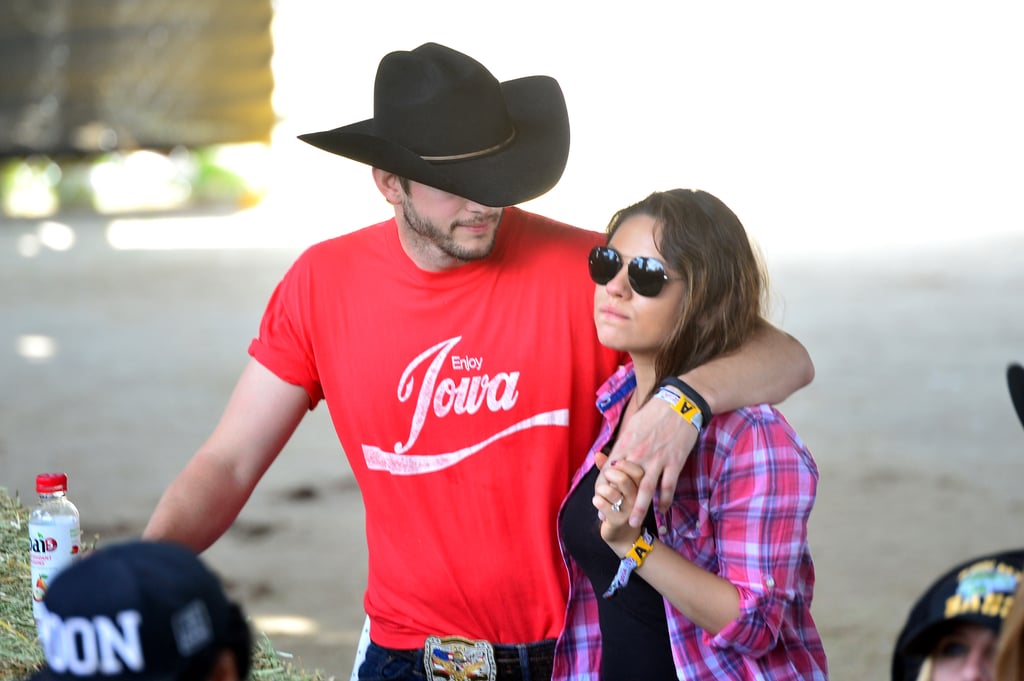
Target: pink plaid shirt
x=740, y=511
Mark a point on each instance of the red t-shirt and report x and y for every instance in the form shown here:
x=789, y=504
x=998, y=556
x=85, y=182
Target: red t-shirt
x=464, y=401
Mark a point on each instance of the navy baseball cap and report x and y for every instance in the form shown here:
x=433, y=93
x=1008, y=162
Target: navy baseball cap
x=139, y=611
x=977, y=591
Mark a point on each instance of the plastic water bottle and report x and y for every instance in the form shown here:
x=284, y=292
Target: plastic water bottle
x=54, y=535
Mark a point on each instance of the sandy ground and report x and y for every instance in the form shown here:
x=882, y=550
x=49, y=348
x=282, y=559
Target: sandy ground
x=909, y=418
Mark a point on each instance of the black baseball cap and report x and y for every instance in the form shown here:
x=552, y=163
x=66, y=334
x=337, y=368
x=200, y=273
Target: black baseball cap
x=139, y=611
x=978, y=591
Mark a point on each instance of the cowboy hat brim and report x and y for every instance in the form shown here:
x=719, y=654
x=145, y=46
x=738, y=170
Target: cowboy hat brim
x=529, y=166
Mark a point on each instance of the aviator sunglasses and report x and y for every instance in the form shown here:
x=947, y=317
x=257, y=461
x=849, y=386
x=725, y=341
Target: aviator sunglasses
x=647, y=276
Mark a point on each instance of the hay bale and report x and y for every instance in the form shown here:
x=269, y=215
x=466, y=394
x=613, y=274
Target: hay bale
x=20, y=653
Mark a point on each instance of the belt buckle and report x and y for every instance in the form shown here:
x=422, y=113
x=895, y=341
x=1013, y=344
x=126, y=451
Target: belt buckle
x=453, y=658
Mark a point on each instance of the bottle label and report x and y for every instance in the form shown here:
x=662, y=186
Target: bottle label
x=52, y=547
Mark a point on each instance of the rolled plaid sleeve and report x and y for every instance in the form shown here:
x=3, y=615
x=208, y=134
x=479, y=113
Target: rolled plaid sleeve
x=764, y=490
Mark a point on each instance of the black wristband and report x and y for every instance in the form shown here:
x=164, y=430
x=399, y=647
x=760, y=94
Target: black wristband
x=693, y=395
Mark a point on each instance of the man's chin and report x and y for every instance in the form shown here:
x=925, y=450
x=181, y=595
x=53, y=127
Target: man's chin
x=474, y=249
x=474, y=254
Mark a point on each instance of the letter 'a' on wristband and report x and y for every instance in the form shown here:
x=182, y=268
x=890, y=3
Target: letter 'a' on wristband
x=693, y=401
x=634, y=558
x=682, y=405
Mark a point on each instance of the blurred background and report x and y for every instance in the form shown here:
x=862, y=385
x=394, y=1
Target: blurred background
x=153, y=192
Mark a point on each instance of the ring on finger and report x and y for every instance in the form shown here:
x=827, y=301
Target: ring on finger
x=617, y=506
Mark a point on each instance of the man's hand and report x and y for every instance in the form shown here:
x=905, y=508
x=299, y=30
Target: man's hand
x=658, y=440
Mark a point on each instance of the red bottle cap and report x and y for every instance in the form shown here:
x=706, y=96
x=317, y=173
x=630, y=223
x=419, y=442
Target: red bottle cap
x=48, y=483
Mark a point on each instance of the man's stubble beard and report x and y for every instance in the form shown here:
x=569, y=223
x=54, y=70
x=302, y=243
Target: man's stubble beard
x=444, y=241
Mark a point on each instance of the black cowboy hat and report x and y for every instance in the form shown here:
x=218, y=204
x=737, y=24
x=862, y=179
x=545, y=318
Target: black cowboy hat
x=440, y=118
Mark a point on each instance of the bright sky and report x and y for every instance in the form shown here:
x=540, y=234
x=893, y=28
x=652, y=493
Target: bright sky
x=823, y=125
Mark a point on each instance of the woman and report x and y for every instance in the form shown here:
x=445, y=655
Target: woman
x=951, y=633
x=721, y=585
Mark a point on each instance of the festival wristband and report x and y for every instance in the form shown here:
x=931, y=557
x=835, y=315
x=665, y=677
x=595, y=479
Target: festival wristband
x=685, y=400
x=682, y=406
x=634, y=558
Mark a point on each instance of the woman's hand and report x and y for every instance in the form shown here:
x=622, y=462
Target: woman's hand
x=658, y=440
x=614, y=497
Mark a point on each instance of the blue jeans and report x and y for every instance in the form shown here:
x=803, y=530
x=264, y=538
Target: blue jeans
x=386, y=664
x=523, y=662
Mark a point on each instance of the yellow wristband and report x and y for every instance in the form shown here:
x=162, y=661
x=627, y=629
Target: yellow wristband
x=633, y=559
x=682, y=405
x=641, y=547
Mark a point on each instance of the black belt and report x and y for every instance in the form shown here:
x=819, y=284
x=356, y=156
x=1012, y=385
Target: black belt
x=469, y=659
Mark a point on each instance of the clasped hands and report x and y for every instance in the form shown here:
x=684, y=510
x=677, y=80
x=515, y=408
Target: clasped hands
x=648, y=456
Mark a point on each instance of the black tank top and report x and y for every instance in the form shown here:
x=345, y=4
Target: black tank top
x=634, y=631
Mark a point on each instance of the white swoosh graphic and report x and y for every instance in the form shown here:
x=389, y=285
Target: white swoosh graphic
x=414, y=464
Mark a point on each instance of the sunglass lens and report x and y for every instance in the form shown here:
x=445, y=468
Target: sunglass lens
x=647, y=276
x=605, y=263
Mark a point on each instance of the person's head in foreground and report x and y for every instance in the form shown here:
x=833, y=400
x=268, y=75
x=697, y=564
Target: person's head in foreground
x=142, y=611
x=952, y=630
x=683, y=261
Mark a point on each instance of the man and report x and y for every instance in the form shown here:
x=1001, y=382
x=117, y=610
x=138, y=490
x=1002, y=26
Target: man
x=455, y=346
x=142, y=611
